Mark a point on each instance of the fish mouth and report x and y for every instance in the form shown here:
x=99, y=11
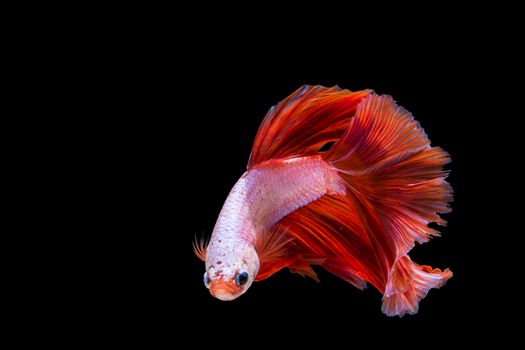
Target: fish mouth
x=225, y=290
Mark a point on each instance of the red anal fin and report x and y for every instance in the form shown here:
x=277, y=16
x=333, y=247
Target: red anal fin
x=304, y=268
x=302, y=123
x=354, y=277
x=331, y=228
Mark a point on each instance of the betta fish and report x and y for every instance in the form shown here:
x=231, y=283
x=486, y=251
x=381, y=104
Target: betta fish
x=343, y=180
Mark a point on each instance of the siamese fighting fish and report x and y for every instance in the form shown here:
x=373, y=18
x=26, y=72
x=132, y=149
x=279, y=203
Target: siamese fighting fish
x=343, y=180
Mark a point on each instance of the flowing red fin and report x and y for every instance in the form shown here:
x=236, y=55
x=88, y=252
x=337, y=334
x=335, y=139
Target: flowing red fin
x=338, y=268
x=304, y=122
x=408, y=284
x=330, y=228
x=303, y=268
x=387, y=162
x=268, y=268
x=395, y=185
x=199, y=248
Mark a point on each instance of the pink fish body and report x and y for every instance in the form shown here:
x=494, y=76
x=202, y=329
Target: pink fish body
x=354, y=210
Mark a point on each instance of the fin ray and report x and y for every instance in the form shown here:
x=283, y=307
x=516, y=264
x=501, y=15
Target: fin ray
x=199, y=247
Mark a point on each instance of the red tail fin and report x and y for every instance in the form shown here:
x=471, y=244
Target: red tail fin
x=386, y=159
x=397, y=181
x=408, y=283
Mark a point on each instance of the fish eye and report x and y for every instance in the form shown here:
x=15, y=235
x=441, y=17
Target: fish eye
x=206, y=280
x=241, y=278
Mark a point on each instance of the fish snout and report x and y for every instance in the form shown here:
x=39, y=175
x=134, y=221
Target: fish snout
x=225, y=289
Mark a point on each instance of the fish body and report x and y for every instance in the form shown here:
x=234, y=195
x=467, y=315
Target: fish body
x=262, y=197
x=355, y=210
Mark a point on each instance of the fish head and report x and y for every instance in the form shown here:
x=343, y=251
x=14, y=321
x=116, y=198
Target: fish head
x=228, y=276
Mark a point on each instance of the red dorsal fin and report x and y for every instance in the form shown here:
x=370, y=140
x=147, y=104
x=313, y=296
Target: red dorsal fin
x=304, y=122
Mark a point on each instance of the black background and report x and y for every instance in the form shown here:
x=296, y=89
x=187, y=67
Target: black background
x=135, y=124
x=176, y=129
